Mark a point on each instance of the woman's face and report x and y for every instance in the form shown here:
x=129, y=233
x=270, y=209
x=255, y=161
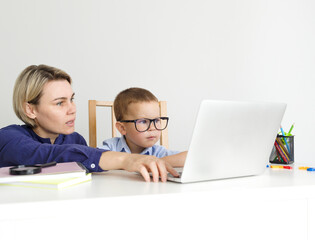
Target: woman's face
x=55, y=114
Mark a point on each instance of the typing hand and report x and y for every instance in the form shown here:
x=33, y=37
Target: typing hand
x=137, y=163
x=145, y=164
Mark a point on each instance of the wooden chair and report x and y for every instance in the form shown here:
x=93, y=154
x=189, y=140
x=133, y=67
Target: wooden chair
x=92, y=121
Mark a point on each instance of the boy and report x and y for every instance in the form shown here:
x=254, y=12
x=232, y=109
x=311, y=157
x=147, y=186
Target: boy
x=140, y=124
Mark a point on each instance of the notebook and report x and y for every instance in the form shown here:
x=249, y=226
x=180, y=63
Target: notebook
x=61, y=170
x=57, y=183
x=231, y=139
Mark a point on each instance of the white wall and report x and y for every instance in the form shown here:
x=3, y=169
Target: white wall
x=181, y=50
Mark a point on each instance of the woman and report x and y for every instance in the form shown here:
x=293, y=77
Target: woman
x=43, y=100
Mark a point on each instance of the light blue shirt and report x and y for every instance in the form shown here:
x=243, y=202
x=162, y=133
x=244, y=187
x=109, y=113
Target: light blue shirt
x=118, y=144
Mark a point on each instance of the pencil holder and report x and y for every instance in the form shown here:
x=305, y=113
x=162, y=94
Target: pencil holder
x=283, y=150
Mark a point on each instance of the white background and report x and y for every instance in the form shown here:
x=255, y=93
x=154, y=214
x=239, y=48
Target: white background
x=182, y=50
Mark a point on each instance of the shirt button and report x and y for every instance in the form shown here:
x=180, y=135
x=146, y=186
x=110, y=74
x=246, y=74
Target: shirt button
x=92, y=165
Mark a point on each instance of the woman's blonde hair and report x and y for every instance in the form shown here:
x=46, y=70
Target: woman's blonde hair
x=29, y=86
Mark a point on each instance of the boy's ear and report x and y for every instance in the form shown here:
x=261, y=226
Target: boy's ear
x=121, y=128
x=30, y=110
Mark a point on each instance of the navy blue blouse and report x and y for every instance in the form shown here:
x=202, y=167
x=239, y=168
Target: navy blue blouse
x=20, y=145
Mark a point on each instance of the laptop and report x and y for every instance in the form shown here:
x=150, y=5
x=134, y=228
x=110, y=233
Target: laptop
x=231, y=139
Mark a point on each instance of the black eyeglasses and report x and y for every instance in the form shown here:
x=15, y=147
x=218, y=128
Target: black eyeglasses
x=143, y=124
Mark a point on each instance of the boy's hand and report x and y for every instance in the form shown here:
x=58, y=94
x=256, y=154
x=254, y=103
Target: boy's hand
x=176, y=160
x=138, y=163
x=145, y=164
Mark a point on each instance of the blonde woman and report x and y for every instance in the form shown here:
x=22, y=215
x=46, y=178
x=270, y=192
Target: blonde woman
x=43, y=99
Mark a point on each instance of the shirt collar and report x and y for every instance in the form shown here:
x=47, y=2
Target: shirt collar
x=58, y=140
x=123, y=147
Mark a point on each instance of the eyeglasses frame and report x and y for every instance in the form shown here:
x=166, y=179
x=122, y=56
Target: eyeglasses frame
x=151, y=120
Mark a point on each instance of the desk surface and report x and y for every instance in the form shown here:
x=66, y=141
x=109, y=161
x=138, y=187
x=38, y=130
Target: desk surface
x=120, y=183
x=117, y=200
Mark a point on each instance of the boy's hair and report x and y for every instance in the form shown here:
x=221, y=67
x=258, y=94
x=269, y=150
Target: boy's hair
x=29, y=86
x=128, y=96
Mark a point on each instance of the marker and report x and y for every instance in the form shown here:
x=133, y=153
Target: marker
x=285, y=140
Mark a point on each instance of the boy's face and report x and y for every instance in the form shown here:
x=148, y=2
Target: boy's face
x=138, y=141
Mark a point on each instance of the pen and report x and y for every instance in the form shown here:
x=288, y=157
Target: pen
x=285, y=140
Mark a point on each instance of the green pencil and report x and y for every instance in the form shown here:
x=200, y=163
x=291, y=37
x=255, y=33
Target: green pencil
x=291, y=129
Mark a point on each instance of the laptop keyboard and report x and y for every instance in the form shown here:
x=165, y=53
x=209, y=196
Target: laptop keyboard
x=179, y=172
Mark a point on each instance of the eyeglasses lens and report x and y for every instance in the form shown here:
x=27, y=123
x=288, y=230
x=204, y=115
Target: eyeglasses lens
x=143, y=125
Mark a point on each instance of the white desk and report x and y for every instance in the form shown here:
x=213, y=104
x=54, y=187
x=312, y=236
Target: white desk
x=280, y=204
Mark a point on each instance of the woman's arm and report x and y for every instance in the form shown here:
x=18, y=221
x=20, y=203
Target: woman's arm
x=18, y=147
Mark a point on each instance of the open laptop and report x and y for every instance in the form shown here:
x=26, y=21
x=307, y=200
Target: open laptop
x=231, y=139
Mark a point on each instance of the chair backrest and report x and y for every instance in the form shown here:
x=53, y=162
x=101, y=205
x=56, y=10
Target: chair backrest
x=92, y=121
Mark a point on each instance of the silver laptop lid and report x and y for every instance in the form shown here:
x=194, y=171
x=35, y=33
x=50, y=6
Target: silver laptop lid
x=232, y=139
